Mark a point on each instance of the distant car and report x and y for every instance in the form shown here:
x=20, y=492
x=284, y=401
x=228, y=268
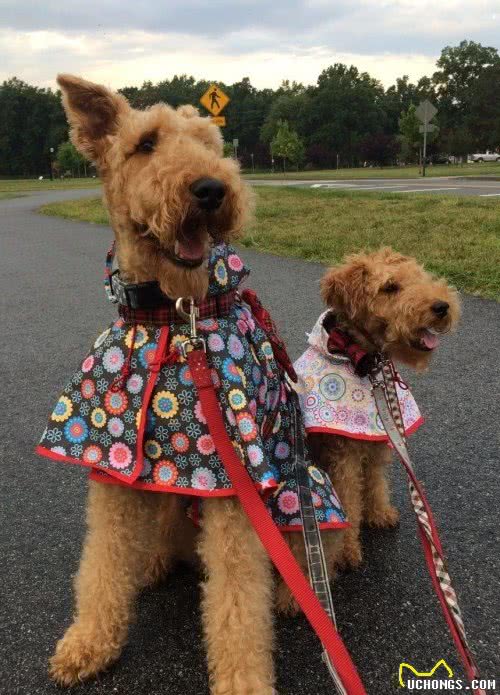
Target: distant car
x=486, y=157
x=439, y=159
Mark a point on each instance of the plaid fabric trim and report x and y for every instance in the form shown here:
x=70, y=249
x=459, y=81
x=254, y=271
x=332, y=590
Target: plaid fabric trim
x=218, y=305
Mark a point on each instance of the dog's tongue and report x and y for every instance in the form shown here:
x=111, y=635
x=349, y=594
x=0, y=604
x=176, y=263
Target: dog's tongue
x=430, y=340
x=191, y=251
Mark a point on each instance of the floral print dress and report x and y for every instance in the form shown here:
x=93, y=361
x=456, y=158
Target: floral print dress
x=131, y=414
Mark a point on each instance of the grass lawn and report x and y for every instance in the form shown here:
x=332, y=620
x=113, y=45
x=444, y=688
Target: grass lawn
x=458, y=237
x=21, y=185
x=4, y=196
x=86, y=209
x=484, y=169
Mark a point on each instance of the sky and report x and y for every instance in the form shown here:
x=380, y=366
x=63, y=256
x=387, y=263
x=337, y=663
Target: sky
x=123, y=43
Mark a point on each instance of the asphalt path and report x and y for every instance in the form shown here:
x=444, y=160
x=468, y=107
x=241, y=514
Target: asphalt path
x=53, y=305
x=438, y=184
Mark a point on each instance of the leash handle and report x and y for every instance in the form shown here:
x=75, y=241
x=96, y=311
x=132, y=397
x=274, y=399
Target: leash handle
x=387, y=402
x=270, y=536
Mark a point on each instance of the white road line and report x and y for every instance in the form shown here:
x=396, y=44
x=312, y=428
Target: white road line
x=351, y=187
x=378, y=188
x=424, y=190
x=331, y=185
x=488, y=195
x=395, y=188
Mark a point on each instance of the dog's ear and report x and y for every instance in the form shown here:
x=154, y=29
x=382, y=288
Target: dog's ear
x=188, y=111
x=93, y=112
x=343, y=287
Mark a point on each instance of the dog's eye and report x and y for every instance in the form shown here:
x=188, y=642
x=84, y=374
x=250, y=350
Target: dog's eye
x=390, y=287
x=146, y=145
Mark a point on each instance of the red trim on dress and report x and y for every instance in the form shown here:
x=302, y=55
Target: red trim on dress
x=42, y=451
x=155, y=487
x=104, y=476
x=366, y=437
x=101, y=476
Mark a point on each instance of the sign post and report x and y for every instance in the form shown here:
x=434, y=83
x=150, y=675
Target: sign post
x=215, y=101
x=236, y=143
x=425, y=112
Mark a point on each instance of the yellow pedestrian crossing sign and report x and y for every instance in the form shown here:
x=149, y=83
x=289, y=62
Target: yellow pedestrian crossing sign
x=215, y=100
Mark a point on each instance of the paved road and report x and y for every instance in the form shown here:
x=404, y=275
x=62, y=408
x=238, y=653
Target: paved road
x=52, y=307
x=438, y=184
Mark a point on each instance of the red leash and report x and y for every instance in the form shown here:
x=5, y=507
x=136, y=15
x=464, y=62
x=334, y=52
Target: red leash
x=389, y=410
x=270, y=536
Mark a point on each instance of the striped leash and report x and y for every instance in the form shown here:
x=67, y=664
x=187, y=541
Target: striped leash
x=386, y=398
x=316, y=563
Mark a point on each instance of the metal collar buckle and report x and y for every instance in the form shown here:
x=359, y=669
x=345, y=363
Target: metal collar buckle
x=194, y=342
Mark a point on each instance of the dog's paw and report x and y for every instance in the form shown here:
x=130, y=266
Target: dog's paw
x=285, y=602
x=76, y=659
x=384, y=518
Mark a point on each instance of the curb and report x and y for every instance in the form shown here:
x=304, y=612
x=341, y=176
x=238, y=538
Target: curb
x=478, y=178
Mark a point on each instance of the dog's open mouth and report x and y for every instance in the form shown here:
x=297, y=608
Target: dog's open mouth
x=189, y=252
x=190, y=248
x=426, y=340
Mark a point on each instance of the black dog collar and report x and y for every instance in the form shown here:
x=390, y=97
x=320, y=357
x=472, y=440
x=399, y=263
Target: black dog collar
x=140, y=295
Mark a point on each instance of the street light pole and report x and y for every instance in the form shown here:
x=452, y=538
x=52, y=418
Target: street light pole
x=51, y=150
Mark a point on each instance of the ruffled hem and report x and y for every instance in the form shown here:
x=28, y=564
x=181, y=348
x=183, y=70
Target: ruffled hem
x=111, y=476
x=360, y=435
x=102, y=477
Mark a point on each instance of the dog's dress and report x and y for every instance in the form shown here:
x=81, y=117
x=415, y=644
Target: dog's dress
x=131, y=412
x=334, y=400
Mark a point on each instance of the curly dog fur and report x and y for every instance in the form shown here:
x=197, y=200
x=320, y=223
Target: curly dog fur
x=148, y=160
x=386, y=302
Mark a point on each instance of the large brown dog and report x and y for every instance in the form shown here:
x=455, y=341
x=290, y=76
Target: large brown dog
x=169, y=191
x=388, y=303
x=172, y=198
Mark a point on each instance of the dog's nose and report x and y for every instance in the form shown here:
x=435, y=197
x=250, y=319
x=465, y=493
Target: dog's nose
x=208, y=192
x=440, y=309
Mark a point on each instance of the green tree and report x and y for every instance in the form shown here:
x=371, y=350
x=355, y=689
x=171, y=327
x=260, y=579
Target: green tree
x=228, y=149
x=288, y=145
x=409, y=124
x=342, y=110
x=397, y=100
x=31, y=121
x=288, y=106
x=459, y=67
x=246, y=113
x=458, y=142
x=411, y=138
x=69, y=159
x=482, y=119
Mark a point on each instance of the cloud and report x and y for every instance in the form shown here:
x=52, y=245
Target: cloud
x=121, y=42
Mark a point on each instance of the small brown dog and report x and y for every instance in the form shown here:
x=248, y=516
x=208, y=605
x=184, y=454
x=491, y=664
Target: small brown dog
x=387, y=303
